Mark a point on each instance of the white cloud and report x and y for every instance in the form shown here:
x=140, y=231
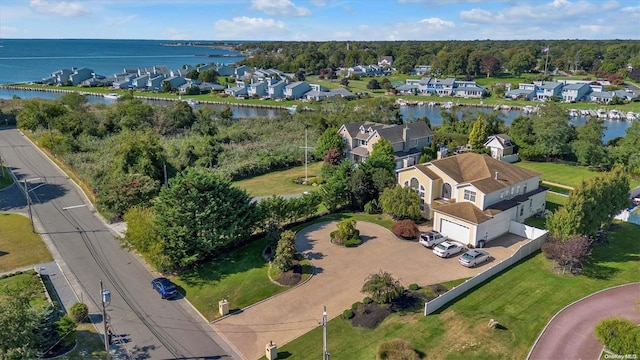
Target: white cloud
x=279, y=7
x=120, y=20
x=60, y=8
x=8, y=30
x=175, y=34
x=318, y=3
x=246, y=28
x=437, y=24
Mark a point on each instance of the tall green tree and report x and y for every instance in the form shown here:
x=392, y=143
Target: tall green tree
x=142, y=236
x=553, y=133
x=201, y=213
x=138, y=152
x=382, y=156
x=38, y=113
x=591, y=205
x=588, y=146
x=401, y=203
x=330, y=139
x=478, y=135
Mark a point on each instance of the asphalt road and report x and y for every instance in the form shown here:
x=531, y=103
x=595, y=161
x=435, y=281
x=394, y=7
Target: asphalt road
x=87, y=252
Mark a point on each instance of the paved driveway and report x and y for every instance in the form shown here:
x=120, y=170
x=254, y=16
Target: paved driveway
x=570, y=333
x=340, y=275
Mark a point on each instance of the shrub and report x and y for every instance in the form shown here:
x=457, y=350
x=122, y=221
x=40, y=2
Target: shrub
x=66, y=330
x=78, y=312
x=356, y=305
x=352, y=242
x=347, y=234
x=382, y=287
x=347, y=314
x=372, y=207
x=367, y=300
x=619, y=335
x=406, y=229
x=414, y=287
x=396, y=349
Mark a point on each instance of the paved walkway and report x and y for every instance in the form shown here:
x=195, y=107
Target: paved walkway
x=341, y=272
x=570, y=333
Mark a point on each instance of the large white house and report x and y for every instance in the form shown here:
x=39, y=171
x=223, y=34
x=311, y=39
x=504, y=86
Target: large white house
x=473, y=198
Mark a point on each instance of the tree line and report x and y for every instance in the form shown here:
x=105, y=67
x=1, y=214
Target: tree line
x=473, y=58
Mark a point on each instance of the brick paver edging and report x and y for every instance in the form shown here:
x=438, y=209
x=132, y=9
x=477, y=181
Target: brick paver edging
x=564, y=308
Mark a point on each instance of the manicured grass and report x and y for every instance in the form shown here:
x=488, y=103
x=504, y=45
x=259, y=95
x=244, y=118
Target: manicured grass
x=19, y=246
x=559, y=173
x=280, y=182
x=522, y=299
x=240, y=277
x=564, y=174
x=27, y=281
x=5, y=178
x=380, y=219
x=307, y=269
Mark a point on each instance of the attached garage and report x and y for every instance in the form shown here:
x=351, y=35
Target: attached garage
x=455, y=231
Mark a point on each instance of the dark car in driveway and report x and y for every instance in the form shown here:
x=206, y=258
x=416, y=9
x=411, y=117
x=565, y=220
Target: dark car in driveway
x=164, y=287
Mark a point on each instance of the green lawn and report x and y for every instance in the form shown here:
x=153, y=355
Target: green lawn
x=19, y=246
x=242, y=277
x=5, y=178
x=564, y=174
x=29, y=282
x=522, y=299
x=280, y=182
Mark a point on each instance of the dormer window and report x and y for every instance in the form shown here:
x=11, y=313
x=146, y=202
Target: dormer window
x=470, y=195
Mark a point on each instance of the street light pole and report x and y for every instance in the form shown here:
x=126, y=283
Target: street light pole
x=26, y=193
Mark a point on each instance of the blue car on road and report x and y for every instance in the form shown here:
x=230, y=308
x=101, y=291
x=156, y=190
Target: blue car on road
x=164, y=287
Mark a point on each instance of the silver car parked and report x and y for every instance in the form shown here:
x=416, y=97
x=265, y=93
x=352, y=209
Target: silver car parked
x=474, y=257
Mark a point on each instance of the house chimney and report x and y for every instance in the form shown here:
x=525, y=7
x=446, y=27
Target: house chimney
x=497, y=173
x=405, y=138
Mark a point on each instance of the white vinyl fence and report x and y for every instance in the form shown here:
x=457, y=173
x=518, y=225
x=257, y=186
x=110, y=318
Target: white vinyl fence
x=536, y=239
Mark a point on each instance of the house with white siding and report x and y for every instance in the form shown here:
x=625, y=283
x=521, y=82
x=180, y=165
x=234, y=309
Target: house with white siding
x=296, y=90
x=575, y=92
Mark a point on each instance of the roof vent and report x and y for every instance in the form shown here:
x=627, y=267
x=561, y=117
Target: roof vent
x=497, y=175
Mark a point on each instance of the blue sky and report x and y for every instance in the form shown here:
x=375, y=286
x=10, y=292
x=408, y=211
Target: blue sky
x=321, y=20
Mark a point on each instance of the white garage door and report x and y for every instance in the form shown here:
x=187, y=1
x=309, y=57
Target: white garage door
x=454, y=231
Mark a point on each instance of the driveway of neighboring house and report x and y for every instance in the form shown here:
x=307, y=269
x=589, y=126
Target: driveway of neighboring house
x=570, y=333
x=340, y=274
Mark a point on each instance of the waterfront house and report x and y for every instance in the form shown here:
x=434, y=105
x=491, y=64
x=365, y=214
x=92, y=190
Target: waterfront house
x=421, y=70
x=296, y=90
x=175, y=81
x=547, y=89
x=259, y=88
x=605, y=97
x=140, y=82
x=241, y=71
x=155, y=82
x=524, y=91
x=502, y=148
x=276, y=90
x=469, y=89
x=79, y=75
x=407, y=140
x=473, y=198
x=575, y=92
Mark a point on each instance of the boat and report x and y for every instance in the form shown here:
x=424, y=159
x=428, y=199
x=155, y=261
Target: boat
x=584, y=113
x=431, y=104
x=573, y=112
x=614, y=115
x=292, y=109
x=601, y=113
x=401, y=102
x=447, y=105
x=192, y=102
x=528, y=109
x=631, y=116
x=111, y=96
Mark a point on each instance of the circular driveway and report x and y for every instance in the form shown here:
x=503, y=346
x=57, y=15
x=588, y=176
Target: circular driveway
x=340, y=274
x=570, y=333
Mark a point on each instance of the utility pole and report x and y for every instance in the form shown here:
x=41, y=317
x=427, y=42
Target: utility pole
x=105, y=296
x=325, y=353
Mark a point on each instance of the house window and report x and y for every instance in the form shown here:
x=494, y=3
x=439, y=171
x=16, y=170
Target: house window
x=415, y=184
x=470, y=195
x=446, y=191
x=521, y=210
x=524, y=189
